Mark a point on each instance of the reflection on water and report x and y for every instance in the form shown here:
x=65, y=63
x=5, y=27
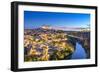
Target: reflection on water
x=79, y=52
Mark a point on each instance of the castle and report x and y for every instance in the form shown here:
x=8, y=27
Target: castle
x=46, y=27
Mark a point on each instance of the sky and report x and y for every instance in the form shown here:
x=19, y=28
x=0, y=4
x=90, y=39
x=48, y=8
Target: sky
x=33, y=19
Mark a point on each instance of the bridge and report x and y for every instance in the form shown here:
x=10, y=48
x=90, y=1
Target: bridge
x=81, y=40
x=76, y=37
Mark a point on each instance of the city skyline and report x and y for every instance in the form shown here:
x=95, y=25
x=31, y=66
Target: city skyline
x=33, y=19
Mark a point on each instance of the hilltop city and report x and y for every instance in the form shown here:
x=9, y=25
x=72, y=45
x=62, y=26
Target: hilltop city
x=45, y=43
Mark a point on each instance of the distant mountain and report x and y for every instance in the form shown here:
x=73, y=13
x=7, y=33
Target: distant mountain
x=55, y=28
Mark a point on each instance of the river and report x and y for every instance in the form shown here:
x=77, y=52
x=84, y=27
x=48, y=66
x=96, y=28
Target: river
x=79, y=52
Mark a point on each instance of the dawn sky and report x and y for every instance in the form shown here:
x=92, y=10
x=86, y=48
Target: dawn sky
x=37, y=19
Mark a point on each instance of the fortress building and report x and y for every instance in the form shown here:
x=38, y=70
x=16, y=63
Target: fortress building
x=46, y=27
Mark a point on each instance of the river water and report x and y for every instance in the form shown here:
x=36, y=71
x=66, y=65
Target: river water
x=79, y=52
